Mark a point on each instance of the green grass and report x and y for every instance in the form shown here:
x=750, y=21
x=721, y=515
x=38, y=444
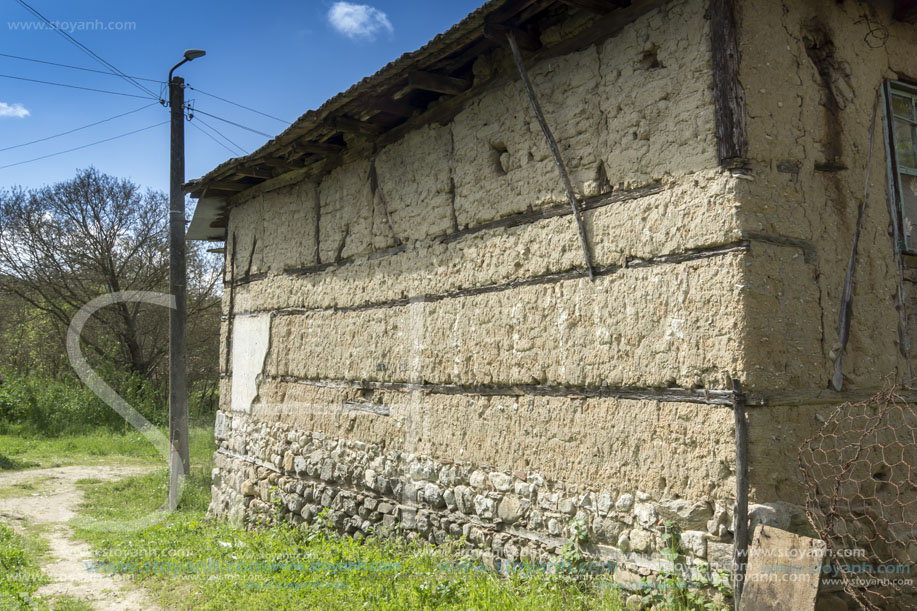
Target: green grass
x=69, y=603
x=25, y=488
x=19, y=573
x=190, y=562
x=21, y=450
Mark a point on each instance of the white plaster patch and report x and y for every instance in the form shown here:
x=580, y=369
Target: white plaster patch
x=251, y=338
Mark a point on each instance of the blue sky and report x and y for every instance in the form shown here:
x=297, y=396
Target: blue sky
x=281, y=58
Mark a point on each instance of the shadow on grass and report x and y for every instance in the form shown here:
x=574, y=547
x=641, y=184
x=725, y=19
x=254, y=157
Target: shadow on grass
x=11, y=464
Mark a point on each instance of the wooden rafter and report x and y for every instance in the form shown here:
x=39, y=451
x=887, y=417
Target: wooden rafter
x=317, y=148
x=279, y=164
x=355, y=126
x=438, y=83
x=226, y=185
x=253, y=173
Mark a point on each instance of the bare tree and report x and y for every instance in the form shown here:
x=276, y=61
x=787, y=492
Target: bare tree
x=65, y=244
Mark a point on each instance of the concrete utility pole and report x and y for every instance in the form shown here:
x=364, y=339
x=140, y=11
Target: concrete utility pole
x=179, y=459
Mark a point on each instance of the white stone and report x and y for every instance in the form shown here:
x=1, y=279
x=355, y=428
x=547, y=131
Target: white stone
x=642, y=540
x=605, y=502
x=484, y=507
x=625, y=502
x=695, y=543
x=501, y=481
x=688, y=515
x=509, y=509
x=646, y=514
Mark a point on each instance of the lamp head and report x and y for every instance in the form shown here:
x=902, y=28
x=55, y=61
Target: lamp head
x=191, y=54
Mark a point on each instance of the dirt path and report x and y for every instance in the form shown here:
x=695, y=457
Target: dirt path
x=50, y=507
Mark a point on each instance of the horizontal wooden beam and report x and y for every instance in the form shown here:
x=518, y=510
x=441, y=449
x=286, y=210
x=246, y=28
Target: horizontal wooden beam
x=226, y=185
x=354, y=126
x=309, y=147
x=279, y=164
x=438, y=83
x=393, y=107
x=253, y=173
x=209, y=191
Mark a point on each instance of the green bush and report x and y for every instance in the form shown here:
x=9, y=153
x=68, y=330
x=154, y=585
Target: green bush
x=57, y=406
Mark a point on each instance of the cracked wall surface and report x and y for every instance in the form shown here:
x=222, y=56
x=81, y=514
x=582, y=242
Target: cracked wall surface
x=446, y=269
x=811, y=72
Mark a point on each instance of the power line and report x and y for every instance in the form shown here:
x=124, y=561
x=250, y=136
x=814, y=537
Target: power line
x=212, y=137
x=16, y=146
x=32, y=80
x=136, y=131
x=84, y=48
x=221, y=135
x=239, y=125
x=41, y=61
x=140, y=78
x=264, y=114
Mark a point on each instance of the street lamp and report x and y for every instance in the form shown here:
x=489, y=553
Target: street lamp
x=179, y=460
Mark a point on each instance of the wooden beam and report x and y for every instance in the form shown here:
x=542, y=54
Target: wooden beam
x=354, y=126
x=309, y=147
x=438, y=83
x=599, y=7
x=253, y=173
x=906, y=10
x=226, y=185
x=220, y=193
x=278, y=164
x=729, y=97
x=393, y=107
x=497, y=32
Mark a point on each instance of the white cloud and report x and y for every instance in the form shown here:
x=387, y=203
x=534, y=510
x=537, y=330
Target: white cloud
x=13, y=110
x=358, y=20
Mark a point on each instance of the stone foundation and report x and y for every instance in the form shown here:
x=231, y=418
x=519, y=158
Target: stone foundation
x=266, y=472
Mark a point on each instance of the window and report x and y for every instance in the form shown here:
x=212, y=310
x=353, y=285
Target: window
x=901, y=110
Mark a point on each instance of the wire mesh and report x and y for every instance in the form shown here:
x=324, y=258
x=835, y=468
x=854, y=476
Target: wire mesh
x=860, y=475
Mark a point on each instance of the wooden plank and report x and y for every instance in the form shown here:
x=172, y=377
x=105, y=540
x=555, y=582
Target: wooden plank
x=279, y=164
x=729, y=97
x=906, y=10
x=354, y=126
x=392, y=107
x=740, y=550
x=812, y=398
x=310, y=147
x=227, y=185
x=253, y=173
x=438, y=83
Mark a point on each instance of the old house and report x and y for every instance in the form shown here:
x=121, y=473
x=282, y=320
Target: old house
x=419, y=330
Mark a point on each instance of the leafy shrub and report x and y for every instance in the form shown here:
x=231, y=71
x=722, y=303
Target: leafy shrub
x=57, y=406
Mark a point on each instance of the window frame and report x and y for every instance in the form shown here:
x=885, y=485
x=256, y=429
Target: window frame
x=893, y=167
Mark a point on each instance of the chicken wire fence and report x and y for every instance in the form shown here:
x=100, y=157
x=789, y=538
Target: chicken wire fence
x=860, y=475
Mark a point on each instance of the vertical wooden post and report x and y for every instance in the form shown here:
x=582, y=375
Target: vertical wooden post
x=728, y=95
x=179, y=462
x=740, y=512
